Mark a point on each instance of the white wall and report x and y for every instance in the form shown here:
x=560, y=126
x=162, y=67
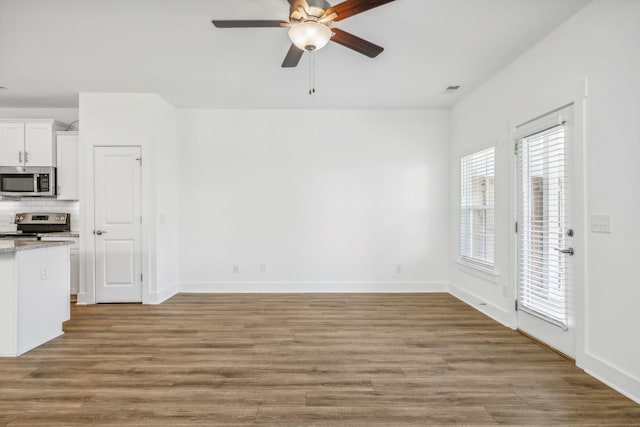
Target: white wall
x=166, y=153
x=326, y=200
x=148, y=121
x=600, y=43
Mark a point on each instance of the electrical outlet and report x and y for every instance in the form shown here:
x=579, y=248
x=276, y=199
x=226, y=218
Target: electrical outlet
x=601, y=223
x=263, y=268
x=398, y=268
x=163, y=219
x=43, y=274
x=236, y=269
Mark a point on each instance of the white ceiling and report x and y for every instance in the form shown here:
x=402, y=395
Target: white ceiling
x=51, y=50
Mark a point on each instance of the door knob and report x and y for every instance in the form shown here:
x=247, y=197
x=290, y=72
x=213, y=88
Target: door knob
x=99, y=232
x=569, y=251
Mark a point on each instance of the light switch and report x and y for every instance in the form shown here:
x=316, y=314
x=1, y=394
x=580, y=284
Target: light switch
x=601, y=223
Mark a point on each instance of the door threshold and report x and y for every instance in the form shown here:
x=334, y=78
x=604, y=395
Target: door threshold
x=544, y=344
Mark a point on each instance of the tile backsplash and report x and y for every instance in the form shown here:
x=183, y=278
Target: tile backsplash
x=9, y=208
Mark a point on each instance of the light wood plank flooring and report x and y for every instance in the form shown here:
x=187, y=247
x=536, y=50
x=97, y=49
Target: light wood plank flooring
x=335, y=359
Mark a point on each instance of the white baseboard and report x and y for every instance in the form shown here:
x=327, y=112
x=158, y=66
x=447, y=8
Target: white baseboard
x=496, y=313
x=615, y=378
x=163, y=295
x=312, y=287
x=612, y=376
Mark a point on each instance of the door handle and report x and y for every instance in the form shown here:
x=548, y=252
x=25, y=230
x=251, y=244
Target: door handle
x=99, y=232
x=19, y=156
x=26, y=157
x=569, y=251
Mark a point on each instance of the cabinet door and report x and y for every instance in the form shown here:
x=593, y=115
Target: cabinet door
x=67, y=167
x=11, y=144
x=38, y=144
x=74, y=276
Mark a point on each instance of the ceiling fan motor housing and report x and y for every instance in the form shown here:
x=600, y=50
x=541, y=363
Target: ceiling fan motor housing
x=317, y=7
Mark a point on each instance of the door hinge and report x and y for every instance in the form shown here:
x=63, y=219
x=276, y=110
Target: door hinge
x=515, y=149
x=516, y=226
x=516, y=305
x=140, y=160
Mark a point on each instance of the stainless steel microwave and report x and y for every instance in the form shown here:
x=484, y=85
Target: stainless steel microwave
x=27, y=181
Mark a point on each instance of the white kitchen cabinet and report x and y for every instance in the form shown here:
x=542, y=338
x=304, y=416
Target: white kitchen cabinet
x=38, y=144
x=28, y=142
x=74, y=259
x=11, y=144
x=35, y=296
x=74, y=274
x=67, y=147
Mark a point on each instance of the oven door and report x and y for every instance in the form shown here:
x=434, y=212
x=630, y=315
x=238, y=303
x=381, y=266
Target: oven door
x=37, y=182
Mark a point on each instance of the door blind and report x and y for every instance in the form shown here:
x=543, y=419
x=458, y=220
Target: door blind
x=477, y=207
x=542, y=219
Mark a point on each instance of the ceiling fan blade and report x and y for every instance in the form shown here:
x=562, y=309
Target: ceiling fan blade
x=293, y=57
x=245, y=24
x=349, y=8
x=356, y=43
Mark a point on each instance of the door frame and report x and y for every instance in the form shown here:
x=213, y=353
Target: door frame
x=87, y=293
x=577, y=95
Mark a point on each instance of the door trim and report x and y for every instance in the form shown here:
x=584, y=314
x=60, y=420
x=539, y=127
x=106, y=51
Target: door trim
x=87, y=294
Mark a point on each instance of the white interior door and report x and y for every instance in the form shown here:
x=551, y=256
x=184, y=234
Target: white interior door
x=545, y=252
x=117, y=235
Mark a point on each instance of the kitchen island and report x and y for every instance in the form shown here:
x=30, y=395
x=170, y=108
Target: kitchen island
x=34, y=284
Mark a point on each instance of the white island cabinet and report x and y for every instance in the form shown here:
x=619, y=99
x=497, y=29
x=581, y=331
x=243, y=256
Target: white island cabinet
x=34, y=281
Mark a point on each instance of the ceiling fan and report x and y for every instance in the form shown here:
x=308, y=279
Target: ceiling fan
x=310, y=27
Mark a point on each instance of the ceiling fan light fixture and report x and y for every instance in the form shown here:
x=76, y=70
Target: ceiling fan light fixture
x=310, y=35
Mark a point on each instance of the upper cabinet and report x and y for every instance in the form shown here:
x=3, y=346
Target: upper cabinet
x=28, y=142
x=67, y=146
x=11, y=144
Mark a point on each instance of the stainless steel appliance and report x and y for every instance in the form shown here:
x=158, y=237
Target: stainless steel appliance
x=27, y=181
x=36, y=224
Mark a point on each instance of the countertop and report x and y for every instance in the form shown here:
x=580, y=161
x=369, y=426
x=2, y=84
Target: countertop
x=9, y=246
x=60, y=234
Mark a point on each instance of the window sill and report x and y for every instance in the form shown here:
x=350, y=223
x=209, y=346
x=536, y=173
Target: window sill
x=486, y=273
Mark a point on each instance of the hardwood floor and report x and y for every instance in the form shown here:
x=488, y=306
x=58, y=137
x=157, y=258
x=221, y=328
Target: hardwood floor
x=335, y=359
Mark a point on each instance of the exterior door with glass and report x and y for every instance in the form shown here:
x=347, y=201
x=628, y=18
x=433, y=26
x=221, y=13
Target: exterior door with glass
x=544, y=236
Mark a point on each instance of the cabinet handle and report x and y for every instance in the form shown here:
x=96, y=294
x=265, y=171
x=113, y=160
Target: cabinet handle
x=20, y=156
x=26, y=157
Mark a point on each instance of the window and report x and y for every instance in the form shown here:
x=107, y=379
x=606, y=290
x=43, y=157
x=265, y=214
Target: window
x=477, y=207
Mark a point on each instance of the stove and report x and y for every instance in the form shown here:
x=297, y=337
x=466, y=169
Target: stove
x=33, y=225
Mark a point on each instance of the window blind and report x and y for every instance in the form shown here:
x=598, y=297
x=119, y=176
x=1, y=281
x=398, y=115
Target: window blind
x=542, y=218
x=477, y=182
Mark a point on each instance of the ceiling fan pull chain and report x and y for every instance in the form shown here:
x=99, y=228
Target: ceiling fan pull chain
x=313, y=79
x=312, y=73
